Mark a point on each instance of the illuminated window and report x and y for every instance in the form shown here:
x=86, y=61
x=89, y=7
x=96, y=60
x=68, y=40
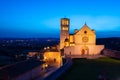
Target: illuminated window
x=64, y=28
x=72, y=44
x=65, y=22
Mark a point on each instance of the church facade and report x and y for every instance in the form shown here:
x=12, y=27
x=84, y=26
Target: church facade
x=82, y=42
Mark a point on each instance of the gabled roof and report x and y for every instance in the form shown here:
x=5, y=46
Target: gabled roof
x=85, y=27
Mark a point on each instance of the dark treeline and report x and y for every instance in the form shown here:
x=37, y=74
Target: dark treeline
x=110, y=43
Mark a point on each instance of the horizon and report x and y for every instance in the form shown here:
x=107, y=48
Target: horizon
x=57, y=37
x=99, y=34
x=34, y=18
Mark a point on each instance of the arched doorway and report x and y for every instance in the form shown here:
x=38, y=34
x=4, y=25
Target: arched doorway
x=84, y=50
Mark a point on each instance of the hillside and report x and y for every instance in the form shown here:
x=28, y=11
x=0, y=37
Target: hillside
x=110, y=43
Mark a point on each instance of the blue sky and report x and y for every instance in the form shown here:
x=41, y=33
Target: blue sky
x=41, y=18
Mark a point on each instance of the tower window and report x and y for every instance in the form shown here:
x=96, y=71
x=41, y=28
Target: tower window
x=65, y=22
x=85, y=32
x=64, y=28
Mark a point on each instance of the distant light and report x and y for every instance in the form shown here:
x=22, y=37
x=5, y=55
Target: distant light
x=46, y=65
x=45, y=48
x=48, y=47
x=48, y=40
x=45, y=58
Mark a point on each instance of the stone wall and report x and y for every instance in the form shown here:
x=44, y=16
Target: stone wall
x=111, y=53
x=30, y=74
x=89, y=49
x=59, y=71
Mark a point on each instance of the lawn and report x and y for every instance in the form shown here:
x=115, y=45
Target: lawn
x=89, y=69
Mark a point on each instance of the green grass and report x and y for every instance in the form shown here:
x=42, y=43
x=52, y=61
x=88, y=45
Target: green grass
x=89, y=69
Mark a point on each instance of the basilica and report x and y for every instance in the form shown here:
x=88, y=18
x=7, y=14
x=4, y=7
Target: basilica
x=81, y=42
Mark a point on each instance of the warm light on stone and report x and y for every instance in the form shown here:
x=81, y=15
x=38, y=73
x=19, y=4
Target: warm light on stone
x=64, y=31
x=82, y=42
x=53, y=58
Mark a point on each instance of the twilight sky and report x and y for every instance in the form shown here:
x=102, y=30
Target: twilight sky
x=41, y=18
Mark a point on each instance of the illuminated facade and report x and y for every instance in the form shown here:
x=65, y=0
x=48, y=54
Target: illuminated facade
x=82, y=42
x=53, y=58
x=64, y=31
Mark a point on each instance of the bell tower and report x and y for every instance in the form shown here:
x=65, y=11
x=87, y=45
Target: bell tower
x=64, y=31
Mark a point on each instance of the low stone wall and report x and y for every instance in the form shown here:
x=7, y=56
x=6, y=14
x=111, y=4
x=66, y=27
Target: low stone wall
x=30, y=74
x=111, y=53
x=61, y=70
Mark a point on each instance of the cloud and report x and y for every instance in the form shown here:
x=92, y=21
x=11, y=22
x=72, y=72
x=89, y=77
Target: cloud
x=100, y=23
